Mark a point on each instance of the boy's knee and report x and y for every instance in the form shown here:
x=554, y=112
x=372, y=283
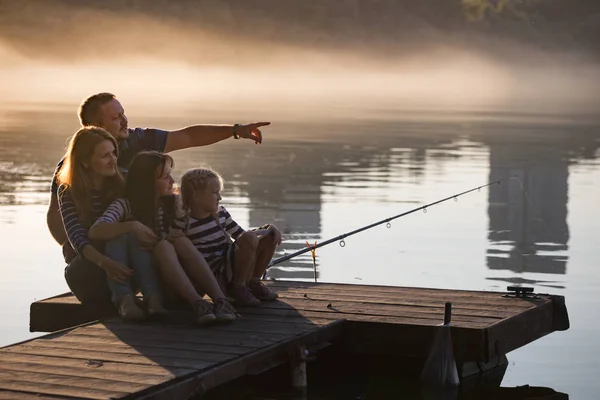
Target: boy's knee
x=247, y=241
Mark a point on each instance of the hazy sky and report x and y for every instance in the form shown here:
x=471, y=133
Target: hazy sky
x=402, y=53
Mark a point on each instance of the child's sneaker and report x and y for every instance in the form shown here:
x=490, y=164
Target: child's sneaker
x=242, y=295
x=223, y=310
x=203, y=313
x=260, y=291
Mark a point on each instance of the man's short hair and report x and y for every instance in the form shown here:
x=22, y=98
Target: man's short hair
x=89, y=110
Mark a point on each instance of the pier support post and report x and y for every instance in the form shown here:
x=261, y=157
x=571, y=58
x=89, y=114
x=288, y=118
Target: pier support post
x=298, y=367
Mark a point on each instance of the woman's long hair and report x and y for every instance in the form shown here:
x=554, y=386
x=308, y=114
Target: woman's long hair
x=77, y=178
x=146, y=167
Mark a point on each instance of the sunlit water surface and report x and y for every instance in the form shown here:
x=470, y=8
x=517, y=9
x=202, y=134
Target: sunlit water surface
x=321, y=179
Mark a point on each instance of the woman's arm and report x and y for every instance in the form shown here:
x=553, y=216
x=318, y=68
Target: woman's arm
x=110, y=225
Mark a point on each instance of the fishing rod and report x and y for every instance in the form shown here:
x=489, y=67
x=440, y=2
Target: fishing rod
x=383, y=221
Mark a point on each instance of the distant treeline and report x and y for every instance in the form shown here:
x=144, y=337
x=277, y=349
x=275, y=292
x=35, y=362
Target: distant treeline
x=370, y=25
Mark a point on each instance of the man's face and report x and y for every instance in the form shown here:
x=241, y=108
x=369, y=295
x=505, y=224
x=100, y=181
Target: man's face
x=113, y=119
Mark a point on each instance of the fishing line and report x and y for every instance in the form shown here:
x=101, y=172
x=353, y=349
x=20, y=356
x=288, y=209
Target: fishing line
x=386, y=221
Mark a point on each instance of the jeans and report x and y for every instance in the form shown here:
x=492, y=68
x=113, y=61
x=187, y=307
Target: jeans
x=90, y=284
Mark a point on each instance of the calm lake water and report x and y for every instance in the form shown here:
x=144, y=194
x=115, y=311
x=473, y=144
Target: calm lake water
x=317, y=179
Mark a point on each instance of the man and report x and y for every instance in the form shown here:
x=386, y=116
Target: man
x=105, y=111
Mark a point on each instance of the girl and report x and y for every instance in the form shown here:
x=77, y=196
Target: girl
x=237, y=265
x=89, y=180
x=150, y=200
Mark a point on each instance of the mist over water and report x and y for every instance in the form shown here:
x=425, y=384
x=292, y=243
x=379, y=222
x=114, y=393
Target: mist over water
x=284, y=56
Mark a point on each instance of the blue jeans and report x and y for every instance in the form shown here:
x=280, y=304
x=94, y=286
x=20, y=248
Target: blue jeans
x=86, y=280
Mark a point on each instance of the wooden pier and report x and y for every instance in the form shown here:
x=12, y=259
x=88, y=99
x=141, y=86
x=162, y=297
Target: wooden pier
x=106, y=358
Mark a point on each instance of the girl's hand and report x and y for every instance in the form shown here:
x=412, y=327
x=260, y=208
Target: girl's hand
x=175, y=234
x=144, y=234
x=275, y=232
x=115, y=270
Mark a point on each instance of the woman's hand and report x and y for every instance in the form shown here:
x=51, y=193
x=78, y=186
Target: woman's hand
x=115, y=270
x=144, y=234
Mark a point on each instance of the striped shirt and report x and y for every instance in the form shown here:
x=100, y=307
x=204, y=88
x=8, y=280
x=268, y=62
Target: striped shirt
x=77, y=230
x=120, y=211
x=209, y=238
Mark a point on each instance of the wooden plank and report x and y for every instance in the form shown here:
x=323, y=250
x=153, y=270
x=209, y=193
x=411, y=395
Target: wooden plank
x=199, y=383
x=145, y=343
x=126, y=332
x=403, y=299
x=11, y=395
x=239, y=325
x=60, y=362
x=414, y=292
x=335, y=316
x=83, y=372
x=124, y=349
x=344, y=307
x=498, y=312
x=515, y=332
x=60, y=385
x=166, y=362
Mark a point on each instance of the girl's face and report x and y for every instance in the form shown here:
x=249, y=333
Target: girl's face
x=209, y=199
x=164, y=182
x=104, y=159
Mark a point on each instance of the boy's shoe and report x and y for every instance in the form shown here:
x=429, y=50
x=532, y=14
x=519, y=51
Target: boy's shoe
x=203, y=313
x=128, y=310
x=260, y=291
x=224, y=311
x=242, y=296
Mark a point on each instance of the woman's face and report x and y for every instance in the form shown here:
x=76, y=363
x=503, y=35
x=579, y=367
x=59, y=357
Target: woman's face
x=104, y=159
x=209, y=199
x=164, y=182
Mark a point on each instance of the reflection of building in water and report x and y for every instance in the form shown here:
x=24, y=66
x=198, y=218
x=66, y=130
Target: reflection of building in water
x=528, y=230
x=528, y=214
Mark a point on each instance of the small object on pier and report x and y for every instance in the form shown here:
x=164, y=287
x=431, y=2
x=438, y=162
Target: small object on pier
x=329, y=306
x=94, y=363
x=440, y=367
x=521, y=292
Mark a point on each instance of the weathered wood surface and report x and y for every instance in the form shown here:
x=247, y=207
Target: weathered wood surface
x=114, y=359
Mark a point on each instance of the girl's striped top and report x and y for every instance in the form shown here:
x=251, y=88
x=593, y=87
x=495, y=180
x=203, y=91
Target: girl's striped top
x=77, y=230
x=211, y=239
x=120, y=211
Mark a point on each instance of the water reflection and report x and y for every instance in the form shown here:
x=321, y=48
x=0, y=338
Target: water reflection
x=289, y=181
x=528, y=229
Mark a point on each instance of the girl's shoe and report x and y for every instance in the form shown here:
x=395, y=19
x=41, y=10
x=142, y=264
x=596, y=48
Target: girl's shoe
x=203, y=313
x=260, y=291
x=242, y=296
x=224, y=311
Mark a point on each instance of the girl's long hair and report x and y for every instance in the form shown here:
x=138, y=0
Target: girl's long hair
x=146, y=167
x=77, y=178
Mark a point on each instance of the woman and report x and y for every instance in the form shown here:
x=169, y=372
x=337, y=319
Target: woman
x=150, y=200
x=89, y=181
